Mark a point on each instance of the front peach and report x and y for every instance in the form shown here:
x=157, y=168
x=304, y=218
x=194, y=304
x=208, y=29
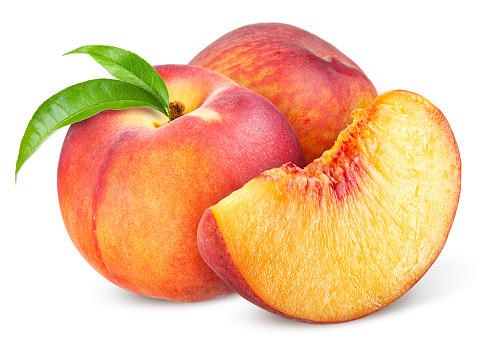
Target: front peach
x=132, y=195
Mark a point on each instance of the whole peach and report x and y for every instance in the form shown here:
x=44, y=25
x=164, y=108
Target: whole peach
x=314, y=84
x=133, y=188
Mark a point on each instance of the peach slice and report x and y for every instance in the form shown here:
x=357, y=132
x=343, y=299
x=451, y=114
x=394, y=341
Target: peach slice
x=351, y=232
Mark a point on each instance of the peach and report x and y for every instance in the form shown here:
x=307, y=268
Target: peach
x=351, y=232
x=132, y=187
x=314, y=84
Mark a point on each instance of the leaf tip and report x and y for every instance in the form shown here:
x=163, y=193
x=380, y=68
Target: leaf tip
x=17, y=168
x=77, y=50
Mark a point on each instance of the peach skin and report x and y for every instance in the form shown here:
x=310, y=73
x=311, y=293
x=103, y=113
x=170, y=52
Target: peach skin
x=314, y=84
x=133, y=188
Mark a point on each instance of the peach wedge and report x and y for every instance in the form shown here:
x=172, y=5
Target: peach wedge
x=351, y=232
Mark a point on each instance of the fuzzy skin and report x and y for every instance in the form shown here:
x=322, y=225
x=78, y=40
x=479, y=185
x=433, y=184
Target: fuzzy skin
x=314, y=84
x=132, y=194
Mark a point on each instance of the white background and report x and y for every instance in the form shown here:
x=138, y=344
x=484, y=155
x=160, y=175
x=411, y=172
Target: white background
x=50, y=296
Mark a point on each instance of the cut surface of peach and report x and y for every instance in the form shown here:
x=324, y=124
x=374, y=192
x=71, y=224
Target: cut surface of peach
x=351, y=232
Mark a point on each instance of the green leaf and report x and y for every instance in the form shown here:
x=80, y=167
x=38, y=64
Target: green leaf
x=128, y=67
x=77, y=103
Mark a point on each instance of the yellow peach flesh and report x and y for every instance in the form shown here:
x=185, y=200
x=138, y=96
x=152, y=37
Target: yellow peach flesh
x=358, y=227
